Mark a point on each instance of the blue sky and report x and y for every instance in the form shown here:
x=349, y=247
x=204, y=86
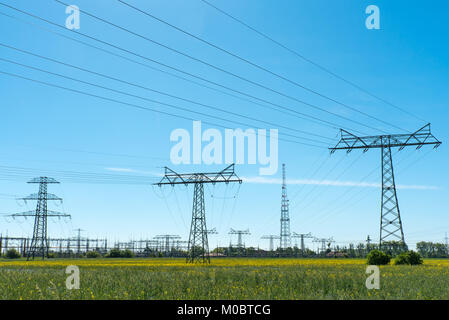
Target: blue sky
x=65, y=135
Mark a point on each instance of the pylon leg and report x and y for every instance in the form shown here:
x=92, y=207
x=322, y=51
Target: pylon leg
x=39, y=245
x=390, y=220
x=198, y=247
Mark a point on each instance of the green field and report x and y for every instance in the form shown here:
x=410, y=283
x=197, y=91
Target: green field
x=223, y=279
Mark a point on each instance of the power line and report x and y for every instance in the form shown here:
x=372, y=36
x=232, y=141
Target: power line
x=150, y=89
x=146, y=99
x=229, y=72
x=295, y=83
x=297, y=114
x=132, y=104
x=312, y=62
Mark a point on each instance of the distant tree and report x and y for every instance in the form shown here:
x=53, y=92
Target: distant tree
x=12, y=254
x=377, y=257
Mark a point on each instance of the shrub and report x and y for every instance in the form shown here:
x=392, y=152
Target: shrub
x=92, y=254
x=409, y=257
x=127, y=254
x=12, y=254
x=114, y=253
x=377, y=257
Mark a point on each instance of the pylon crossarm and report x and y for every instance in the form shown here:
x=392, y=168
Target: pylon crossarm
x=37, y=196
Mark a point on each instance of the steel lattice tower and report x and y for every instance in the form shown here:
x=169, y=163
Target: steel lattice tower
x=39, y=242
x=198, y=246
x=285, y=237
x=271, y=238
x=239, y=234
x=302, y=236
x=390, y=217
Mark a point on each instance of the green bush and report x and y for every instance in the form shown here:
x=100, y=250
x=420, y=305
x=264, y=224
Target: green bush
x=409, y=257
x=116, y=253
x=127, y=254
x=92, y=254
x=377, y=257
x=12, y=254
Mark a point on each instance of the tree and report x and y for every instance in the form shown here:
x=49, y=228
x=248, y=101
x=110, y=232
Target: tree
x=12, y=254
x=377, y=257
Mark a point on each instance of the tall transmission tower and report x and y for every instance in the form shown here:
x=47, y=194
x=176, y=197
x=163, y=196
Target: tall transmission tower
x=78, y=240
x=168, y=239
x=390, y=217
x=285, y=238
x=271, y=238
x=39, y=242
x=198, y=246
x=302, y=236
x=240, y=234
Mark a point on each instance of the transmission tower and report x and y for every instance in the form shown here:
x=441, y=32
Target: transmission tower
x=39, y=242
x=167, y=238
x=198, y=247
x=390, y=217
x=271, y=238
x=302, y=236
x=78, y=240
x=323, y=242
x=239, y=234
x=285, y=218
x=212, y=231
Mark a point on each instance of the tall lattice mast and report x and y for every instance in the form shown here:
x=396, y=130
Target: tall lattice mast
x=390, y=216
x=198, y=247
x=39, y=242
x=285, y=237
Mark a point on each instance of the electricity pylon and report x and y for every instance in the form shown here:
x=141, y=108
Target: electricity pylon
x=323, y=242
x=390, y=217
x=78, y=240
x=198, y=247
x=39, y=242
x=271, y=238
x=285, y=237
x=302, y=236
x=168, y=239
x=239, y=234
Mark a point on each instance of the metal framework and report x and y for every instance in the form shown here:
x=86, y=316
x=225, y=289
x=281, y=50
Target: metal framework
x=323, y=242
x=285, y=236
x=302, y=236
x=39, y=242
x=271, y=238
x=390, y=216
x=168, y=239
x=239, y=234
x=198, y=246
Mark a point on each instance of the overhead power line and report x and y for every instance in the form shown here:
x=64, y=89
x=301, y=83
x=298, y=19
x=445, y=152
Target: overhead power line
x=153, y=90
x=295, y=83
x=232, y=73
x=136, y=106
x=294, y=112
x=321, y=67
x=150, y=100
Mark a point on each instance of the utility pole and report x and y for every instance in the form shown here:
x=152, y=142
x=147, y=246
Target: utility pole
x=390, y=217
x=271, y=238
x=239, y=234
x=302, y=236
x=39, y=242
x=285, y=239
x=198, y=247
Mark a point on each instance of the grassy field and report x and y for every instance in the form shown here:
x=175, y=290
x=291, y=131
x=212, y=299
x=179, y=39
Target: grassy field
x=223, y=279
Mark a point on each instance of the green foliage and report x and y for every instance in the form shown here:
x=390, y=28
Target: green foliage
x=93, y=254
x=12, y=254
x=117, y=253
x=409, y=257
x=377, y=257
x=432, y=250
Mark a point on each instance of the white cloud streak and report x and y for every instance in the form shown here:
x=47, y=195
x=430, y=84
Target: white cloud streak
x=332, y=183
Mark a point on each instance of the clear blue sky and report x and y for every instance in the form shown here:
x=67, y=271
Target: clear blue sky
x=49, y=130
